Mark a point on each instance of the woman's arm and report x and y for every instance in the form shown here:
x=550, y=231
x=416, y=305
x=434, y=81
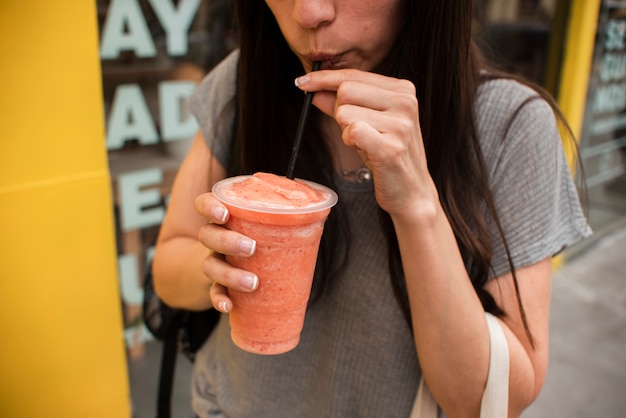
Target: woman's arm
x=179, y=254
x=378, y=116
x=449, y=325
x=529, y=362
x=189, y=267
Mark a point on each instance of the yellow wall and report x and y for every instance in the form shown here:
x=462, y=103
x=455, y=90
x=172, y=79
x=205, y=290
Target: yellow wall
x=61, y=351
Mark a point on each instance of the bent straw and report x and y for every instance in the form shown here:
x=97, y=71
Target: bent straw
x=304, y=115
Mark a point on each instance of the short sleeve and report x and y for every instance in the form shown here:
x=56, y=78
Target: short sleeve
x=213, y=105
x=534, y=193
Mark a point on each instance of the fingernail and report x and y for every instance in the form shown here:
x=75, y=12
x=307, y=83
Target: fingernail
x=246, y=246
x=223, y=306
x=220, y=213
x=250, y=281
x=301, y=81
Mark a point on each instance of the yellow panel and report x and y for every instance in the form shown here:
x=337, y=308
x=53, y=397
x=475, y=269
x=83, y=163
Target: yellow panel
x=63, y=352
x=65, y=322
x=49, y=123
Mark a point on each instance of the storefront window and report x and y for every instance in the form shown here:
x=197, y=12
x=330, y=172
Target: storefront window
x=603, y=141
x=153, y=54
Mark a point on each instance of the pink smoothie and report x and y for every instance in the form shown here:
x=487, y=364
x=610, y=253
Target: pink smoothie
x=286, y=218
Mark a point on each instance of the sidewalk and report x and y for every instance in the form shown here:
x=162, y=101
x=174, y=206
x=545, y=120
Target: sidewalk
x=587, y=372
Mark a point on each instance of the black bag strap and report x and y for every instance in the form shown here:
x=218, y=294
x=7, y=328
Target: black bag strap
x=180, y=331
x=168, y=368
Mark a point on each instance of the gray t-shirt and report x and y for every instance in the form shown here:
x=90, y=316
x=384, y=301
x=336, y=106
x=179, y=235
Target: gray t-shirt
x=357, y=357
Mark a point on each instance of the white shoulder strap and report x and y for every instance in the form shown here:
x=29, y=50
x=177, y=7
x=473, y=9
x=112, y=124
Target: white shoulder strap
x=425, y=405
x=495, y=400
x=495, y=403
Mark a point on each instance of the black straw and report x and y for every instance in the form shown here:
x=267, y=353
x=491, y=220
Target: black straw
x=304, y=115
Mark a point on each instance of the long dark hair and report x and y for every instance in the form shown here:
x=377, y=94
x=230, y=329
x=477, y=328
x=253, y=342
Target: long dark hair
x=436, y=52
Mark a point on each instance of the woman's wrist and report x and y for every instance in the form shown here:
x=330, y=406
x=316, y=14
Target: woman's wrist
x=423, y=211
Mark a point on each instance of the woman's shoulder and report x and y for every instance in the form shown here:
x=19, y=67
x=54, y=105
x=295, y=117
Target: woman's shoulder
x=225, y=69
x=218, y=87
x=213, y=105
x=503, y=104
x=513, y=120
x=504, y=95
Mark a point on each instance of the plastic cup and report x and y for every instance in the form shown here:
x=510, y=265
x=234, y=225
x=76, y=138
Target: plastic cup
x=269, y=320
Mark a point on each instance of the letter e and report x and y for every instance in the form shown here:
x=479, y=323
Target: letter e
x=133, y=200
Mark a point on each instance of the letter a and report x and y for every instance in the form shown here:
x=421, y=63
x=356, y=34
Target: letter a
x=129, y=118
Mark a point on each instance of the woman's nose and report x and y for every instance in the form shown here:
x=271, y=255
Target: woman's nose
x=311, y=14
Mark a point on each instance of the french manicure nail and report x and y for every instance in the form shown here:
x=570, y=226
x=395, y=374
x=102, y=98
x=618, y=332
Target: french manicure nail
x=301, y=81
x=250, y=281
x=246, y=246
x=220, y=213
x=223, y=306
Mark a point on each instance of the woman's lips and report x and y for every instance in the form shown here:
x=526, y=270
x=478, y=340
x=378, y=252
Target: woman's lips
x=328, y=61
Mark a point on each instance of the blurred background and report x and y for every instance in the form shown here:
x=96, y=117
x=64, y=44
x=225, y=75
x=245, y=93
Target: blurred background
x=140, y=60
